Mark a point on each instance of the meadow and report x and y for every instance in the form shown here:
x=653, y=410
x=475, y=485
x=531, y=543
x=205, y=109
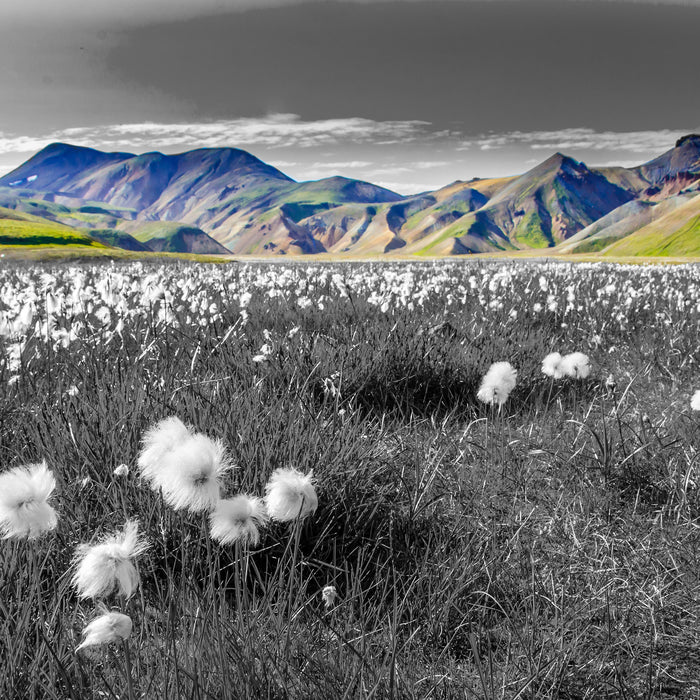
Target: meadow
x=546, y=548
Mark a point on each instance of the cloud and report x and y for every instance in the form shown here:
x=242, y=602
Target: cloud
x=341, y=165
x=579, y=139
x=407, y=156
x=275, y=130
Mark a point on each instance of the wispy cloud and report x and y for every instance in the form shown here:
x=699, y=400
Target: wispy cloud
x=406, y=156
x=578, y=139
x=276, y=130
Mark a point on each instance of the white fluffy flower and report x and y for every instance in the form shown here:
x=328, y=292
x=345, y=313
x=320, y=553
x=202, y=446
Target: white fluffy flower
x=24, y=507
x=100, y=568
x=289, y=494
x=551, y=365
x=695, y=401
x=191, y=474
x=121, y=470
x=238, y=518
x=576, y=365
x=185, y=466
x=158, y=441
x=329, y=595
x=497, y=383
x=106, y=628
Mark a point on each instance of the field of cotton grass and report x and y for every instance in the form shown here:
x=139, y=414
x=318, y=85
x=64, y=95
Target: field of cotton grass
x=435, y=480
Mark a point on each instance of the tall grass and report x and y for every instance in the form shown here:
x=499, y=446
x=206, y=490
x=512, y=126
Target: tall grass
x=549, y=550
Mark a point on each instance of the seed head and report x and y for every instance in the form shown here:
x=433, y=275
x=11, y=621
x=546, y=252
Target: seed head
x=24, y=506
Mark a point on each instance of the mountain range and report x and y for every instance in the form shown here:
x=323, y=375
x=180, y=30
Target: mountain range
x=227, y=201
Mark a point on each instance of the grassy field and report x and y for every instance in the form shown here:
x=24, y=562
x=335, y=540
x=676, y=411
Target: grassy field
x=549, y=549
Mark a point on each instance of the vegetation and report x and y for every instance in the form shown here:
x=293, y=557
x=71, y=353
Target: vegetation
x=18, y=229
x=545, y=550
x=531, y=232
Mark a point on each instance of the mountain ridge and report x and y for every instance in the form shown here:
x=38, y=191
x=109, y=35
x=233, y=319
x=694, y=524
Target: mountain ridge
x=243, y=205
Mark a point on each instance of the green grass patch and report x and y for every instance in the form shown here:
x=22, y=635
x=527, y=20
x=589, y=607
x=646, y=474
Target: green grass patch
x=531, y=232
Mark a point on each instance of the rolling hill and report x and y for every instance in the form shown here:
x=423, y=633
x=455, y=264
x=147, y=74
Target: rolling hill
x=225, y=200
x=20, y=229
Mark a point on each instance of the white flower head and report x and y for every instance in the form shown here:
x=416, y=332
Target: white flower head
x=551, y=365
x=329, y=595
x=238, y=519
x=289, y=494
x=106, y=628
x=102, y=568
x=158, y=441
x=695, y=401
x=497, y=383
x=121, y=470
x=191, y=474
x=24, y=506
x=576, y=365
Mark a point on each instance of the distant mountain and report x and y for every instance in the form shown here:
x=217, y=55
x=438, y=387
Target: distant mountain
x=225, y=200
x=539, y=209
x=684, y=158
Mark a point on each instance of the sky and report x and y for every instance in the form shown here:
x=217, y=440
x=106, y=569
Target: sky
x=409, y=94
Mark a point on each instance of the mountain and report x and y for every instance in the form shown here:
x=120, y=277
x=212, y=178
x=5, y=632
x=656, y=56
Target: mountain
x=684, y=158
x=58, y=166
x=544, y=206
x=621, y=222
x=676, y=233
x=225, y=200
x=225, y=191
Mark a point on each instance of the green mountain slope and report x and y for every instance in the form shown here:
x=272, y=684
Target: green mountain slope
x=20, y=229
x=677, y=233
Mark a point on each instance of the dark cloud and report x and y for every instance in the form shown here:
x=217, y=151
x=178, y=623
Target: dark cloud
x=488, y=65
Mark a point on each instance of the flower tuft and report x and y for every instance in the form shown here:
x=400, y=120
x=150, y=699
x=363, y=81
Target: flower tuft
x=289, y=494
x=24, y=506
x=329, y=595
x=158, y=441
x=576, y=365
x=102, y=568
x=106, y=628
x=185, y=466
x=497, y=383
x=192, y=472
x=552, y=365
x=238, y=519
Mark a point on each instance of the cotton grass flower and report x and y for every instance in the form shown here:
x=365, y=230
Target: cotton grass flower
x=24, y=496
x=191, y=476
x=695, y=401
x=186, y=467
x=110, y=627
x=102, y=568
x=238, y=519
x=329, y=595
x=158, y=441
x=576, y=365
x=551, y=365
x=121, y=471
x=289, y=494
x=497, y=384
